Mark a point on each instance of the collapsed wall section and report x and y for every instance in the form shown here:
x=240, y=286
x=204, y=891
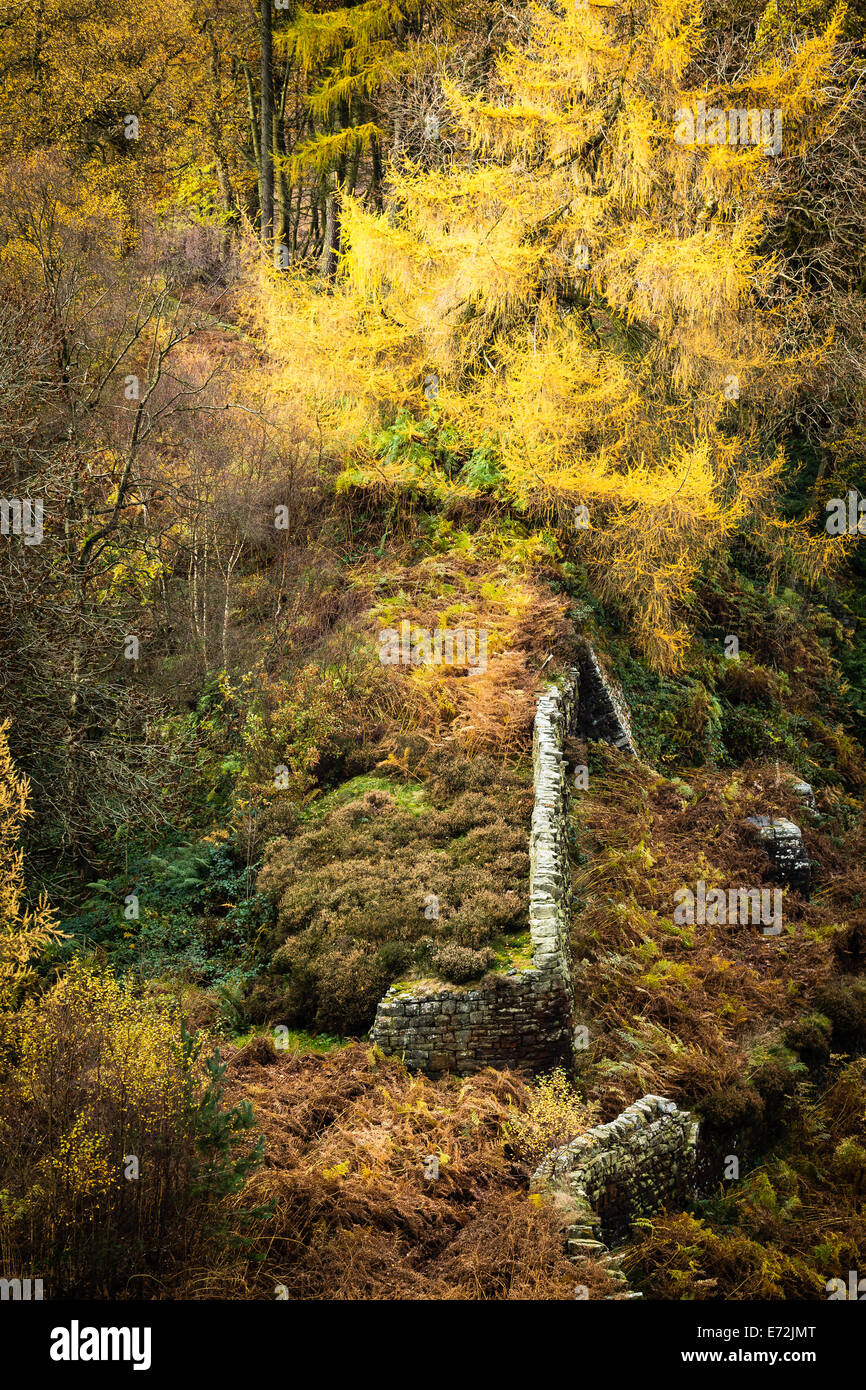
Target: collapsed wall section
x=783, y=842
x=640, y=1162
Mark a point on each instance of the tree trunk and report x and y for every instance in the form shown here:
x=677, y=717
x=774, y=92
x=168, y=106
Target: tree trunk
x=282, y=187
x=217, y=141
x=330, y=249
x=254, y=129
x=266, y=124
x=376, y=181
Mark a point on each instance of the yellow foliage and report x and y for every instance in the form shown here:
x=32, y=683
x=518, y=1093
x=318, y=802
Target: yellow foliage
x=109, y=1127
x=586, y=290
x=556, y=1114
x=24, y=933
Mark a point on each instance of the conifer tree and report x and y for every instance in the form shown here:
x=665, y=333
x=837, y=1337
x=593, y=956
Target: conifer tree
x=350, y=61
x=592, y=286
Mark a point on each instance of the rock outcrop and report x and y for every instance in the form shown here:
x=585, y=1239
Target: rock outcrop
x=783, y=842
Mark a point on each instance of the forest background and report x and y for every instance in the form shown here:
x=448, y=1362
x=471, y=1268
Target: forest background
x=317, y=320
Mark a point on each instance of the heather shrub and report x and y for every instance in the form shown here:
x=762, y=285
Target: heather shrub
x=459, y=963
x=809, y=1036
x=400, y=880
x=330, y=987
x=845, y=1006
x=732, y=1109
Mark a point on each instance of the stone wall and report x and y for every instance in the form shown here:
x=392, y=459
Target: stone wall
x=645, y=1158
x=549, y=866
x=603, y=712
x=521, y=1017
x=635, y=1165
x=518, y=1019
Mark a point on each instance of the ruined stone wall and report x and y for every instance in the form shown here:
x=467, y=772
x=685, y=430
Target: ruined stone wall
x=635, y=1165
x=603, y=712
x=521, y=1017
x=783, y=842
x=645, y=1158
x=549, y=867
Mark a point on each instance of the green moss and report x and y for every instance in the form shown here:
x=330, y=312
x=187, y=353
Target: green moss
x=514, y=952
x=410, y=796
x=424, y=985
x=295, y=1039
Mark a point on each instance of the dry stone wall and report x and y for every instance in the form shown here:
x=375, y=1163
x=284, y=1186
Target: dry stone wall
x=521, y=1017
x=517, y=1019
x=635, y=1165
x=645, y=1158
x=603, y=713
x=783, y=843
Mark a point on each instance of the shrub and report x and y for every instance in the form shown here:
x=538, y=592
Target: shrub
x=330, y=987
x=118, y=1152
x=681, y=1257
x=845, y=1007
x=693, y=723
x=394, y=956
x=23, y=934
x=198, y=917
x=849, y=1165
x=809, y=1036
x=732, y=1109
x=776, y=1080
x=386, y=884
x=556, y=1114
x=459, y=963
x=748, y=683
x=786, y=1226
